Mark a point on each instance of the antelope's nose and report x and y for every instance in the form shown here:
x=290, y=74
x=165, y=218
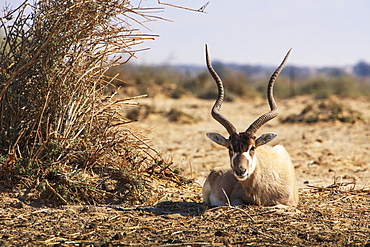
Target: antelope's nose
x=241, y=173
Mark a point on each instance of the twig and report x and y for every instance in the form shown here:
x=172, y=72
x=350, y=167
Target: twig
x=55, y=192
x=243, y=211
x=265, y=234
x=232, y=209
x=227, y=197
x=201, y=9
x=236, y=208
x=266, y=212
x=337, y=190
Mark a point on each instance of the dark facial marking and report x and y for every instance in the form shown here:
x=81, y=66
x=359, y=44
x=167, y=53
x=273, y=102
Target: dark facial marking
x=242, y=142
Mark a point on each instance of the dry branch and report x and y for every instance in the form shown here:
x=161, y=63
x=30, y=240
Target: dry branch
x=201, y=9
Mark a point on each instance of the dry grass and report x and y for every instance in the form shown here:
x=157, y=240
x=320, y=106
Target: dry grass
x=337, y=215
x=327, y=110
x=60, y=137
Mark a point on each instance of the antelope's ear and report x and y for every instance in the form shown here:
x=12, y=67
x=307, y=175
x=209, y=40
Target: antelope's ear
x=217, y=138
x=265, y=138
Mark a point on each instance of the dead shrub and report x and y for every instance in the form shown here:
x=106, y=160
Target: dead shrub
x=178, y=116
x=59, y=136
x=173, y=115
x=142, y=112
x=327, y=110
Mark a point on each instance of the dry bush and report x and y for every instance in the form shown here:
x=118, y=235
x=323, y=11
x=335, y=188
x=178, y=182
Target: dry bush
x=328, y=110
x=139, y=113
x=59, y=137
x=173, y=115
x=178, y=116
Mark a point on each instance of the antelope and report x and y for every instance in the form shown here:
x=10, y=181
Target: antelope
x=259, y=174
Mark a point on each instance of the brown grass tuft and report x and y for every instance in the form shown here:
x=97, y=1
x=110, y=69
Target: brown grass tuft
x=327, y=110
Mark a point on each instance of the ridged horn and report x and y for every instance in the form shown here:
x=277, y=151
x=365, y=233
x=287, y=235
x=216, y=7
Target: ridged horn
x=252, y=129
x=217, y=106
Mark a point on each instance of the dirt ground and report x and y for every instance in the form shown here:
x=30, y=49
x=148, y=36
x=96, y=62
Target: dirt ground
x=319, y=152
x=323, y=154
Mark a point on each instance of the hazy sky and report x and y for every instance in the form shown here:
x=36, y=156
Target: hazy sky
x=329, y=32
x=321, y=32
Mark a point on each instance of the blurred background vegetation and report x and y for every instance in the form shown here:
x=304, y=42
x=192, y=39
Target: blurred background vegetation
x=244, y=81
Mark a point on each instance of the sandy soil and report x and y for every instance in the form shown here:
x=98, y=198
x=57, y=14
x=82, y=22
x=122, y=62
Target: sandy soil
x=321, y=153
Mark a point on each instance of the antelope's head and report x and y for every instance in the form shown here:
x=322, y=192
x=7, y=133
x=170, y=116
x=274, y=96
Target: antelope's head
x=242, y=145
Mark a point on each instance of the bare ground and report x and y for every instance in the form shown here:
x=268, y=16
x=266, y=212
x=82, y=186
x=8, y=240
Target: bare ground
x=319, y=152
x=323, y=154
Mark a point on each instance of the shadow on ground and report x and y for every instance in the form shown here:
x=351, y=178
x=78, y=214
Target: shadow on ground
x=170, y=208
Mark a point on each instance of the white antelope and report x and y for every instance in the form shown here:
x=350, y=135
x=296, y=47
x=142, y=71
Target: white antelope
x=259, y=174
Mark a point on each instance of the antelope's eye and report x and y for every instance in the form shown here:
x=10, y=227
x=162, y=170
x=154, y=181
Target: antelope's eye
x=252, y=149
x=230, y=149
